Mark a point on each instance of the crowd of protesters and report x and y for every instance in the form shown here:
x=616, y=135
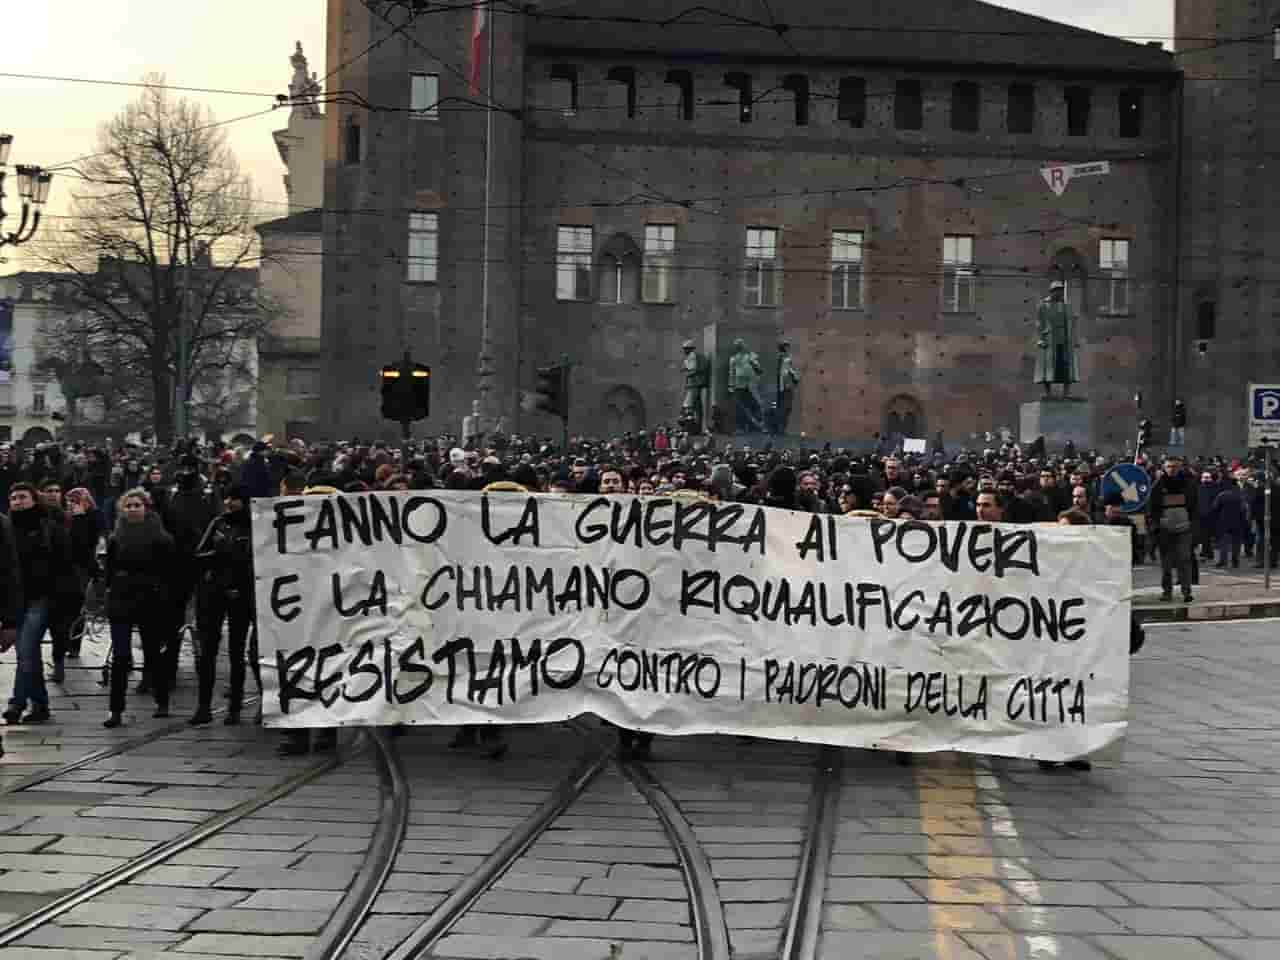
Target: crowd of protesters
x=150, y=529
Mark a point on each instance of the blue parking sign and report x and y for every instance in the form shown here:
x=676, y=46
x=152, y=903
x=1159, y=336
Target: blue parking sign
x=1264, y=413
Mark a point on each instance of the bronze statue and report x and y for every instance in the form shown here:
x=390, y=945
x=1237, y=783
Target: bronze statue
x=744, y=379
x=788, y=380
x=696, y=381
x=1056, y=342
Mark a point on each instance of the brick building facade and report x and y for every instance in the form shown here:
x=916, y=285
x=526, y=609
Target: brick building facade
x=872, y=194
x=1228, y=317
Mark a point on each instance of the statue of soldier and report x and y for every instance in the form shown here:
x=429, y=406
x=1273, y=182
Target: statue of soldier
x=744, y=378
x=1056, y=342
x=696, y=380
x=788, y=380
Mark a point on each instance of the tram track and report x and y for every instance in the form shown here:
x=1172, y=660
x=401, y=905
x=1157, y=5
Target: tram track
x=211, y=826
x=359, y=905
x=106, y=753
x=803, y=931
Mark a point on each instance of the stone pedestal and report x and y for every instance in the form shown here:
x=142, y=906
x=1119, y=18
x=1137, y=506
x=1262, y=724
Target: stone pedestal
x=1057, y=420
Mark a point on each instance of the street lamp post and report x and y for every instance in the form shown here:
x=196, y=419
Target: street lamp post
x=33, y=189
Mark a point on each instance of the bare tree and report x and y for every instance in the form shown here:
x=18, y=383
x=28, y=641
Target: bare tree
x=161, y=252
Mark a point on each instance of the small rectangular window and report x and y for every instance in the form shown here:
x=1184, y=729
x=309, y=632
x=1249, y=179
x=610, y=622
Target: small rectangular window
x=627, y=77
x=957, y=274
x=908, y=105
x=1113, y=260
x=682, y=80
x=573, y=263
x=966, y=106
x=846, y=269
x=1206, y=320
x=1079, y=101
x=37, y=402
x=424, y=96
x=798, y=84
x=424, y=255
x=852, y=105
x=742, y=83
x=1130, y=107
x=659, y=263
x=1022, y=108
x=351, y=143
x=564, y=89
x=762, y=278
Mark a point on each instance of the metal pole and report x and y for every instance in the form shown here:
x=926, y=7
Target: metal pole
x=486, y=332
x=1266, y=482
x=180, y=402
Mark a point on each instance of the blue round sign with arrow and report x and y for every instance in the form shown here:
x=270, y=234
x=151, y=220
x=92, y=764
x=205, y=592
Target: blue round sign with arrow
x=1131, y=482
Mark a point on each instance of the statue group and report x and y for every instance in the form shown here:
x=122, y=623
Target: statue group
x=745, y=374
x=1056, y=363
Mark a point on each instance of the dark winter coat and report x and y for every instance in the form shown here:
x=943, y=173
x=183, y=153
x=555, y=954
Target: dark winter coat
x=1229, y=512
x=1180, y=490
x=191, y=510
x=225, y=555
x=44, y=552
x=139, y=570
x=10, y=576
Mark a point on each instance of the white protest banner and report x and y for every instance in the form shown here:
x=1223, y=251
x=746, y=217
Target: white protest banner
x=682, y=617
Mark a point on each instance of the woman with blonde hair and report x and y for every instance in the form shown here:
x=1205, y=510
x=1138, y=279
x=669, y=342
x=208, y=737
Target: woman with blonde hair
x=139, y=563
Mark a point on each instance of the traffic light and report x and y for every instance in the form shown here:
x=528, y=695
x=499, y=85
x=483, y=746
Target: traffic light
x=406, y=391
x=1145, y=429
x=551, y=394
x=1179, y=414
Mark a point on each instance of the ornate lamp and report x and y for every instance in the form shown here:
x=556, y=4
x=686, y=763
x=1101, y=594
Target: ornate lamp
x=33, y=189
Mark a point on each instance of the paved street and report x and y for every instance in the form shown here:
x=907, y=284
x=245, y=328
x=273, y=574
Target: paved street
x=1172, y=851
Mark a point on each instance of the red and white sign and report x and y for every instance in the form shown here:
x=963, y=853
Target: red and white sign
x=1059, y=175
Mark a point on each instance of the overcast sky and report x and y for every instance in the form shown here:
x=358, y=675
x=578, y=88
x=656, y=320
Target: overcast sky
x=245, y=45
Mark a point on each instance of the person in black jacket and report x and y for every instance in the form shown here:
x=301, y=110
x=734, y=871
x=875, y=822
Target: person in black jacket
x=190, y=510
x=10, y=589
x=225, y=592
x=139, y=565
x=1175, y=510
x=43, y=549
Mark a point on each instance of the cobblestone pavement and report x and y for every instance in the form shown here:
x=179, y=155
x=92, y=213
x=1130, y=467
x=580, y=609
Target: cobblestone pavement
x=1171, y=852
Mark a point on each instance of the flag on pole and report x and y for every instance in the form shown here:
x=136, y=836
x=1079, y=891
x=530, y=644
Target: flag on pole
x=479, y=24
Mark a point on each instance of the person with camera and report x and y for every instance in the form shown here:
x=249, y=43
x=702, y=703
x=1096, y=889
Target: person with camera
x=224, y=592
